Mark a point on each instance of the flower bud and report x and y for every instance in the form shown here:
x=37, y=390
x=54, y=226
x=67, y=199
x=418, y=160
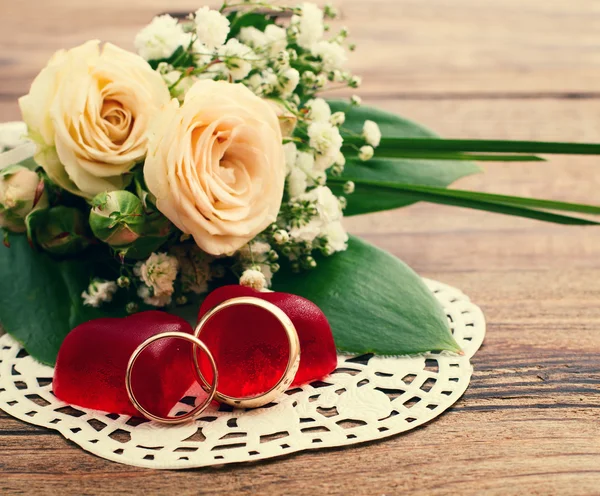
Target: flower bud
x=59, y=230
x=156, y=231
x=21, y=190
x=117, y=218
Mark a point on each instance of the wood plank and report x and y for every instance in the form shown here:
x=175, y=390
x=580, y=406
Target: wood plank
x=464, y=47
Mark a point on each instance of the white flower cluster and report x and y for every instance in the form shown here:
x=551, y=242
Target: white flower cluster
x=288, y=63
x=98, y=292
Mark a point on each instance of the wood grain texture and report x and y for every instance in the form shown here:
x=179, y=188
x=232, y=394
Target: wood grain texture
x=529, y=423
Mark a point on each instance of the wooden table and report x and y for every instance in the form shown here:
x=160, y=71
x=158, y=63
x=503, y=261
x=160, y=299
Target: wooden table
x=530, y=421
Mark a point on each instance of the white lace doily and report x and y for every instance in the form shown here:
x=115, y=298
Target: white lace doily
x=366, y=398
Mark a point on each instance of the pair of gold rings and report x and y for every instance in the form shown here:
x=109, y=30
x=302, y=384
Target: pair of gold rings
x=211, y=387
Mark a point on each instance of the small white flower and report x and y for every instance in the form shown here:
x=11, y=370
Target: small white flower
x=212, y=27
x=356, y=100
x=337, y=238
x=333, y=55
x=308, y=232
x=340, y=160
x=158, y=273
x=309, y=25
x=366, y=153
x=328, y=206
x=371, y=133
x=338, y=119
x=325, y=138
x=98, y=292
x=288, y=81
x=305, y=161
x=324, y=162
x=281, y=237
x=253, y=278
x=277, y=38
x=296, y=182
x=160, y=38
x=289, y=151
x=349, y=187
x=253, y=37
x=318, y=110
x=237, y=59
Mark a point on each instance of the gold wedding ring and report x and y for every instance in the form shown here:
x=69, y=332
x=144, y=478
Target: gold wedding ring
x=211, y=389
x=293, y=359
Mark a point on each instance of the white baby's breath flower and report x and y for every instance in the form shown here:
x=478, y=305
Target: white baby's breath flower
x=340, y=160
x=288, y=81
x=356, y=100
x=158, y=273
x=338, y=118
x=337, y=238
x=160, y=38
x=328, y=206
x=318, y=110
x=296, y=182
x=253, y=37
x=98, y=292
x=371, y=133
x=212, y=27
x=366, y=153
x=253, y=278
x=277, y=38
x=308, y=232
x=332, y=55
x=281, y=237
x=309, y=25
x=324, y=162
x=289, y=151
x=305, y=161
x=325, y=138
x=237, y=59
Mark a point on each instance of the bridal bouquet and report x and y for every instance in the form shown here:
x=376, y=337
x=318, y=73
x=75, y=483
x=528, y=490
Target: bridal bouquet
x=211, y=157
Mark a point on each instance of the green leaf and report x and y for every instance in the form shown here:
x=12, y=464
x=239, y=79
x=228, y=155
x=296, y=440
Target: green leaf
x=487, y=157
x=241, y=20
x=40, y=301
x=425, y=171
x=372, y=192
x=374, y=302
x=397, y=144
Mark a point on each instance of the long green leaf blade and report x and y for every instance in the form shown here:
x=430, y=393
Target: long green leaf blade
x=433, y=155
x=390, y=145
x=503, y=204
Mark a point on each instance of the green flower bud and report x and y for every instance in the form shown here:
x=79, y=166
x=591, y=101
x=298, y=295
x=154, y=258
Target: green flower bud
x=155, y=232
x=59, y=230
x=21, y=190
x=117, y=218
x=123, y=282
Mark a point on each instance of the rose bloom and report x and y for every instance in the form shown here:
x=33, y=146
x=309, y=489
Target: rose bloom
x=88, y=112
x=216, y=165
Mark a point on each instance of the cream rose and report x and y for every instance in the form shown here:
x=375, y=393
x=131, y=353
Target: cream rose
x=216, y=165
x=88, y=113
